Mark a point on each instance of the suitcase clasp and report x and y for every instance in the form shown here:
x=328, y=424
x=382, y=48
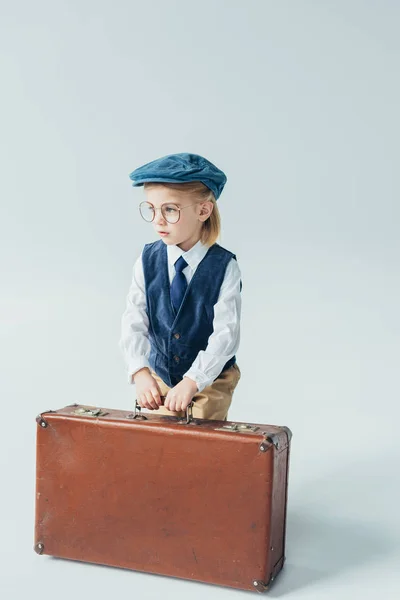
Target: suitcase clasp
x=240, y=427
x=89, y=412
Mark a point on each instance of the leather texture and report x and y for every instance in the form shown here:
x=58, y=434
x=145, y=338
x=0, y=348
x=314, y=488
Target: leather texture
x=202, y=500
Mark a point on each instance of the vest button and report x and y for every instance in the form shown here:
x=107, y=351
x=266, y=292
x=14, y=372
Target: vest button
x=176, y=358
x=177, y=335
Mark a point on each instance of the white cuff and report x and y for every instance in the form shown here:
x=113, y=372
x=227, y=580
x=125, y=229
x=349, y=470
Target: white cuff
x=198, y=377
x=136, y=366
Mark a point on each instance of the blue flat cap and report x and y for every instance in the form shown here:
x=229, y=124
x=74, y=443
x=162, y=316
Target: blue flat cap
x=181, y=168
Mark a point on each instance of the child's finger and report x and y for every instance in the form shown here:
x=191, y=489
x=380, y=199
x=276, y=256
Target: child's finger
x=144, y=403
x=156, y=396
x=141, y=401
x=152, y=404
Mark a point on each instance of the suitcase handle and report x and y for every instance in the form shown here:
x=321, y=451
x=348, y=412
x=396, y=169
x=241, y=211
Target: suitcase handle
x=189, y=411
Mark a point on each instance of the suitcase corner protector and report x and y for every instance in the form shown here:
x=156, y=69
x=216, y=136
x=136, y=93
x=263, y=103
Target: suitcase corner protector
x=39, y=548
x=288, y=432
x=261, y=586
x=40, y=420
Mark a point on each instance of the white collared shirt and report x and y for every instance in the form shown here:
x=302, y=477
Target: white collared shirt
x=222, y=343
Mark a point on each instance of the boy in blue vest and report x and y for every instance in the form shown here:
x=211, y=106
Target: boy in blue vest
x=181, y=326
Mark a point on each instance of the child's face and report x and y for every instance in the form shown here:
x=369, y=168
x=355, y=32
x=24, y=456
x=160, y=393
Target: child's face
x=186, y=232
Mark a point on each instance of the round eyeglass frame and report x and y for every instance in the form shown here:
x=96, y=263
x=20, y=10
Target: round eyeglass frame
x=179, y=208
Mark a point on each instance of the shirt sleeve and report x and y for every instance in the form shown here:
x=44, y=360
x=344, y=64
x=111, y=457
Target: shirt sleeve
x=224, y=340
x=134, y=342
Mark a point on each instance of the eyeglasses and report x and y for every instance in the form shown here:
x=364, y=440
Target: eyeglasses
x=170, y=212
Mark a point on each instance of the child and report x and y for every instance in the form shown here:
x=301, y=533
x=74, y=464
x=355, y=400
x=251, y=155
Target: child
x=181, y=326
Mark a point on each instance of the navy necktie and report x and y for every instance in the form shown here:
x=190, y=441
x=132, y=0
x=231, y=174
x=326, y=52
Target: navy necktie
x=179, y=283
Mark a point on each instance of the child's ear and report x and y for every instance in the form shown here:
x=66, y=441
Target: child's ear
x=206, y=208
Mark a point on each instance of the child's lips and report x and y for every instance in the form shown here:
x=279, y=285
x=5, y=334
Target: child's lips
x=163, y=232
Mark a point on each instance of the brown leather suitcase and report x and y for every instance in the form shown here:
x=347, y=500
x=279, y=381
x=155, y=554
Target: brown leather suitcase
x=192, y=498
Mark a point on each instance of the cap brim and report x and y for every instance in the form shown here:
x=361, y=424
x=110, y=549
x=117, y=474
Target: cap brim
x=156, y=179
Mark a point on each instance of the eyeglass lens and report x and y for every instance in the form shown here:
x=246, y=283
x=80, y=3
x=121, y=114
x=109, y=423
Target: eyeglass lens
x=170, y=212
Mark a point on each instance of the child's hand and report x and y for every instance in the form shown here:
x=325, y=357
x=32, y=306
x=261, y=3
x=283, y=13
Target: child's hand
x=180, y=396
x=147, y=390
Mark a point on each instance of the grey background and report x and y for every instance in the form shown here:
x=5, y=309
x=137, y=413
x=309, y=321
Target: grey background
x=298, y=102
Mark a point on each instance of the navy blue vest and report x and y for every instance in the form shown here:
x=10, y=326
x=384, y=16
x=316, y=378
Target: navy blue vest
x=177, y=338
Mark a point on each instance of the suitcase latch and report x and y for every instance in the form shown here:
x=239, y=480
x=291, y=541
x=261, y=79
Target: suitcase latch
x=89, y=412
x=240, y=427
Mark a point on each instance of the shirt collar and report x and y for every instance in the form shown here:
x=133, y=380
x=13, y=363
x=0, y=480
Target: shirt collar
x=192, y=256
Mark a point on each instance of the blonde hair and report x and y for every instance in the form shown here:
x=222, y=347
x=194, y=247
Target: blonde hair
x=196, y=190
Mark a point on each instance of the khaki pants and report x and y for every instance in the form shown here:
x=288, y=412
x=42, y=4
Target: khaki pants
x=212, y=402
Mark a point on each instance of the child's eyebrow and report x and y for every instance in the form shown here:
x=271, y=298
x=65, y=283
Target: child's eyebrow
x=177, y=202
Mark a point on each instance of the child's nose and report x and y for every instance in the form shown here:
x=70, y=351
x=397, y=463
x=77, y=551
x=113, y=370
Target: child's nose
x=159, y=217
